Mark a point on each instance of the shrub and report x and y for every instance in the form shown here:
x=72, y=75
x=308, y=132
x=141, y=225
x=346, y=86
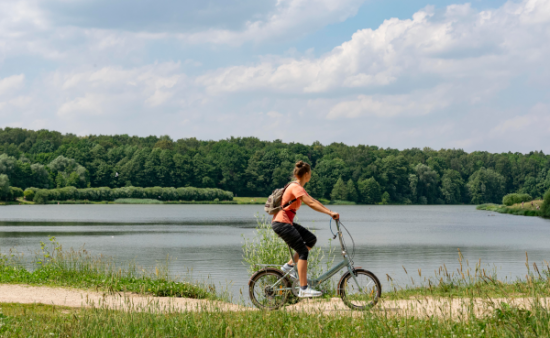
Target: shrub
x=15, y=193
x=108, y=194
x=67, y=193
x=4, y=186
x=41, y=196
x=515, y=198
x=29, y=194
x=545, y=210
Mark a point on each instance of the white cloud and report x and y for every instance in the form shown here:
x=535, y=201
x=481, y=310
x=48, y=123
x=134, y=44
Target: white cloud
x=539, y=117
x=415, y=104
x=461, y=47
x=11, y=83
x=289, y=18
x=274, y=115
x=90, y=104
x=111, y=88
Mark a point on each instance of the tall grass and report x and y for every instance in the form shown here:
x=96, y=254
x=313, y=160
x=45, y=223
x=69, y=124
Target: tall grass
x=37, y=320
x=265, y=247
x=490, y=309
x=57, y=267
x=471, y=282
x=515, y=209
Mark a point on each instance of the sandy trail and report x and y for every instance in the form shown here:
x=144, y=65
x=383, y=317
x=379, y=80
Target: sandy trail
x=27, y=294
x=420, y=307
x=424, y=307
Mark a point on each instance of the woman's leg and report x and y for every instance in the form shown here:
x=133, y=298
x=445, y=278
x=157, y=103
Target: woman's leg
x=292, y=237
x=296, y=257
x=309, y=240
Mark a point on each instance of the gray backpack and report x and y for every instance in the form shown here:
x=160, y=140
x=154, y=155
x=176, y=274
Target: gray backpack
x=273, y=204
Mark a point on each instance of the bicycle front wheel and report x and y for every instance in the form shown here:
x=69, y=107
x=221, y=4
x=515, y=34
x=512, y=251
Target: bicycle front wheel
x=361, y=292
x=268, y=289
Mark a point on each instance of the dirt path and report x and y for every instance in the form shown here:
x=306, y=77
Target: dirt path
x=421, y=307
x=86, y=298
x=424, y=307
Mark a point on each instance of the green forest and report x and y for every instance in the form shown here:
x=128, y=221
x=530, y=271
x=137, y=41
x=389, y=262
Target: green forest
x=250, y=167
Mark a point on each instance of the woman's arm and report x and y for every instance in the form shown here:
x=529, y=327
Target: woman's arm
x=317, y=206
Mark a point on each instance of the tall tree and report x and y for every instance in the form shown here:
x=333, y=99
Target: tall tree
x=351, y=191
x=369, y=191
x=452, y=186
x=486, y=186
x=4, y=186
x=314, y=186
x=339, y=191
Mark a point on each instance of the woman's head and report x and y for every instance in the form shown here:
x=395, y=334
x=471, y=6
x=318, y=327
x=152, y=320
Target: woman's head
x=302, y=170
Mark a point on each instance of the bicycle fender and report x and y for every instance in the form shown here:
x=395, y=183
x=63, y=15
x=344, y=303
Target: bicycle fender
x=264, y=270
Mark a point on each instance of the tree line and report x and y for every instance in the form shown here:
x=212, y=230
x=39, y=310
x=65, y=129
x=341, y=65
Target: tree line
x=252, y=167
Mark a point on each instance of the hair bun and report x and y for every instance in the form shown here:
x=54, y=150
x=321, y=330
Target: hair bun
x=299, y=164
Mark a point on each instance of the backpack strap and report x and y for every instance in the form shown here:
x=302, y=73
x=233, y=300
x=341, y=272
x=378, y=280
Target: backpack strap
x=288, y=203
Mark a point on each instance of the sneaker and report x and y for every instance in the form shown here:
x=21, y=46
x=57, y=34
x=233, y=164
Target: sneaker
x=309, y=292
x=289, y=268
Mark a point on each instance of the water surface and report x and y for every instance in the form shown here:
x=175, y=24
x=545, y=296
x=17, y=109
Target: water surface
x=207, y=239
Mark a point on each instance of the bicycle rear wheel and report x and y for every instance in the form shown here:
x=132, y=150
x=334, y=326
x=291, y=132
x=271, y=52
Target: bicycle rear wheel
x=361, y=292
x=262, y=292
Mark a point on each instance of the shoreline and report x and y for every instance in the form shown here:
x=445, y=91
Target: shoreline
x=516, y=209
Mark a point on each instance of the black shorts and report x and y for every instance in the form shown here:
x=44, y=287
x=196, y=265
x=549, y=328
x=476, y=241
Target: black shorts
x=296, y=236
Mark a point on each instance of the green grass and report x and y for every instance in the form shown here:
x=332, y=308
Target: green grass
x=79, y=202
x=77, y=269
x=19, y=200
x=54, y=266
x=479, y=286
x=124, y=201
x=262, y=200
x=515, y=209
x=250, y=200
x=477, y=281
x=337, y=202
x=137, y=201
x=200, y=202
x=37, y=320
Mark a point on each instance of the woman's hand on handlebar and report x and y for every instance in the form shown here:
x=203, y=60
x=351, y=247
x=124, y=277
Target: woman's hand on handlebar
x=334, y=215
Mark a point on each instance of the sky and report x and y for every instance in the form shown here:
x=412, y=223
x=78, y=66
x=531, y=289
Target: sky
x=400, y=74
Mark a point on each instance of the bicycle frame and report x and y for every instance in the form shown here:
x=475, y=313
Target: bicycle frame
x=334, y=270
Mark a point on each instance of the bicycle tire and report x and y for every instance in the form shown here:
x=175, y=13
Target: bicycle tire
x=362, y=301
x=260, y=294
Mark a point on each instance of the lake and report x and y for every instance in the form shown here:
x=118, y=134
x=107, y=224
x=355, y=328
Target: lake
x=207, y=239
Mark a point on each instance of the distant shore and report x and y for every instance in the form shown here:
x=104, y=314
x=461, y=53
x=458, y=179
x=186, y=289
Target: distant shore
x=236, y=200
x=527, y=209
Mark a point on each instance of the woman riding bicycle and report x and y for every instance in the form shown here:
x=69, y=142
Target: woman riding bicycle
x=296, y=236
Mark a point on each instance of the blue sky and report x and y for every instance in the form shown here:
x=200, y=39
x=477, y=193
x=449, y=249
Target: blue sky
x=443, y=74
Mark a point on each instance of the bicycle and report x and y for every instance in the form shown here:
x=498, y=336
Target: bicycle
x=359, y=289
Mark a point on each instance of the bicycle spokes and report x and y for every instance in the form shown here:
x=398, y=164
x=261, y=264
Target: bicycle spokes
x=268, y=291
x=360, y=290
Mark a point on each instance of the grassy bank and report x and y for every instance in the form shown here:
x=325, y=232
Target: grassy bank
x=122, y=201
x=76, y=269
x=262, y=200
x=54, y=266
x=36, y=320
x=250, y=200
x=516, y=209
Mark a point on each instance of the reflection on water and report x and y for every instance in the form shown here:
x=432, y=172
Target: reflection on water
x=207, y=238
